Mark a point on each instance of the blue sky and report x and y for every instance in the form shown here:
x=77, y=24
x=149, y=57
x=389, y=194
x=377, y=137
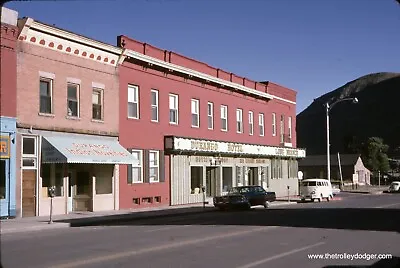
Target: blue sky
x=312, y=46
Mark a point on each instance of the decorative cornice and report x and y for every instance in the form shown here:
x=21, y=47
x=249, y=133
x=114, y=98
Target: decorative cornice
x=71, y=130
x=66, y=42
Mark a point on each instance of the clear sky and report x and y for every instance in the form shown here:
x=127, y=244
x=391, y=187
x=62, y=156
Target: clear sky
x=312, y=46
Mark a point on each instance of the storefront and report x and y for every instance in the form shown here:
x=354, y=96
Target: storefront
x=84, y=170
x=219, y=166
x=7, y=166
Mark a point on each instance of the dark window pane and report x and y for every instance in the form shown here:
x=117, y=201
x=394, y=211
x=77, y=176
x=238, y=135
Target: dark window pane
x=45, y=104
x=28, y=146
x=96, y=112
x=72, y=108
x=72, y=92
x=44, y=88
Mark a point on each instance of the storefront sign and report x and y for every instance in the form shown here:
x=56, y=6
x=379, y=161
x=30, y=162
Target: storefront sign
x=4, y=146
x=186, y=144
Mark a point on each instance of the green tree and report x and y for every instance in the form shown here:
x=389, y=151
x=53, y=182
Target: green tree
x=374, y=155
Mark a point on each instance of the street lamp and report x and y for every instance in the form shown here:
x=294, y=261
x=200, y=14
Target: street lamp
x=329, y=107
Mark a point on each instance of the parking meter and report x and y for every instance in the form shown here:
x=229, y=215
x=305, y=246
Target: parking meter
x=288, y=193
x=203, y=188
x=52, y=193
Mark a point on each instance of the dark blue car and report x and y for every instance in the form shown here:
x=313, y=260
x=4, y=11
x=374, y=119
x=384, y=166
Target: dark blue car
x=244, y=197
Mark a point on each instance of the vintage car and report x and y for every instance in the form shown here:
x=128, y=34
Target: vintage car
x=244, y=197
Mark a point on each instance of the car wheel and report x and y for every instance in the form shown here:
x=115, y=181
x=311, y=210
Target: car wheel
x=266, y=204
x=328, y=198
x=303, y=200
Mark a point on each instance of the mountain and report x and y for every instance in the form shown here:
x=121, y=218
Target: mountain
x=376, y=114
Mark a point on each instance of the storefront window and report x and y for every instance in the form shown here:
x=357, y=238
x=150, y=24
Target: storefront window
x=50, y=178
x=196, y=178
x=226, y=178
x=153, y=163
x=2, y=179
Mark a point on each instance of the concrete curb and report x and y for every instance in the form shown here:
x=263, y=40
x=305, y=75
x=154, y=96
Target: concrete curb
x=364, y=192
x=43, y=226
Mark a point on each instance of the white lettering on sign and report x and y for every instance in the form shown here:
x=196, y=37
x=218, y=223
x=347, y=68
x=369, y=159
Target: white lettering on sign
x=235, y=148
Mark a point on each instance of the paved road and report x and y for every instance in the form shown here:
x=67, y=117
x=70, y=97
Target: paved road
x=277, y=237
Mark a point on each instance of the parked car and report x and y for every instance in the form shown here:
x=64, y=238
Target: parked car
x=316, y=189
x=394, y=187
x=335, y=190
x=244, y=197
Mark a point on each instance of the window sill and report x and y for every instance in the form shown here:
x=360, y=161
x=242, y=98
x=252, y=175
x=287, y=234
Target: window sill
x=154, y=122
x=195, y=127
x=72, y=117
x=173, y=124
x=133, y=118
x=46, y=115
x=98, y=121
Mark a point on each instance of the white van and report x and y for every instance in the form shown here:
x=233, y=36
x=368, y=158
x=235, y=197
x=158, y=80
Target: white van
x=316, y=189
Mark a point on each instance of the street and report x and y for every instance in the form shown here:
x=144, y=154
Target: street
x=281, y=236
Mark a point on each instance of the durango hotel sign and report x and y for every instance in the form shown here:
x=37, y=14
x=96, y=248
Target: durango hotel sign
x=194, y=145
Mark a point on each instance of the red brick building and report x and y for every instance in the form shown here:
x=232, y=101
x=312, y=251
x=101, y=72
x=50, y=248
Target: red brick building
x=67, y=122
x=191, y=125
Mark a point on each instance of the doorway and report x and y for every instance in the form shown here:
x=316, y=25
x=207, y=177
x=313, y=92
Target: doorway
x=211, y=181
x=253, y=176
x=71, y=191
x=29, y=193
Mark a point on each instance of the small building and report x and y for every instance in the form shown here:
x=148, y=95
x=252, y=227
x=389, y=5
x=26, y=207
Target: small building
x=8, y=111
x=67, y=122
x=352, y=167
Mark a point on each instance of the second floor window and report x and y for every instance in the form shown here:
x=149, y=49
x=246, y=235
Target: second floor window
x=73, y=100
x=273, y=124
x=154, y=105
x=224, y=118
x=97, y=104
x=173, y=109
x=282, y=128
x=290, y=128
x=195, y=113
x=133, y=101
x=261, y=124
x=46, y=95
x=210, y=115
x=239, y=121
x=251, y=123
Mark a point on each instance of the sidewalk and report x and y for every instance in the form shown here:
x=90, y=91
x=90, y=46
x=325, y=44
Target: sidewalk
x=365, y=189
x=80, y=219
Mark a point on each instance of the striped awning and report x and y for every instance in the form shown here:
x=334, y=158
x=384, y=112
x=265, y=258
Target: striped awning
x=66, y=149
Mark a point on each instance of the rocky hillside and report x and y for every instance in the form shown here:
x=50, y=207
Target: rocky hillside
x=376, y=114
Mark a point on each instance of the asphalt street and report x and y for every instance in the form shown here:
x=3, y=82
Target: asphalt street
x=283, y=236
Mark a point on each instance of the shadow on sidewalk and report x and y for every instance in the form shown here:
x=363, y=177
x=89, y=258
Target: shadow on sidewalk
x=371, y=219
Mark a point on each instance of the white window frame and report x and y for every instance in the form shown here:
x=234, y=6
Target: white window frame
x=251, y=123
x=138, y=165
x=273, y=124
x=154, y=106
x=133, y=97
x=239, y=120
x=101, y=92
x=29, y=156
x=194, y=107
x=282, y=128
x=210, y=115
x=174, y=106
x=157, y=165
x=290, y=127
x=78, y=92
x=50, y=82
x=224, y=116
x=261, y=124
